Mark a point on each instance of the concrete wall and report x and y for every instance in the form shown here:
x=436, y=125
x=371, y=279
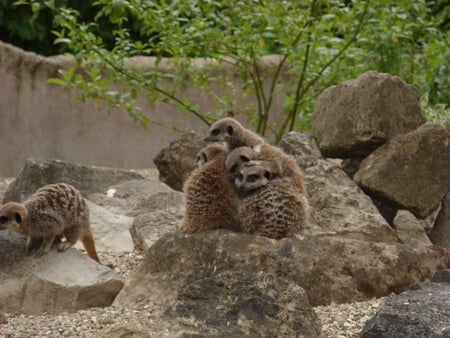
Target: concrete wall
x=42, y=120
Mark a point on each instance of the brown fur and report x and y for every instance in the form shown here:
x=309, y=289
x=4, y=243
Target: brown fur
x=210, y=197
x=233, y=133
x=271, y=207
x=52, y=212
x=282, y=165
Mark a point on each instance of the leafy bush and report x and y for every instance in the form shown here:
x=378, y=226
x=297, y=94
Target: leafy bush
x=318, y=43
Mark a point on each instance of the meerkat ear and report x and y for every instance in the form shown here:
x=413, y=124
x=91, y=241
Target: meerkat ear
x=230, y=130
x=267, y=174
x=18, y=217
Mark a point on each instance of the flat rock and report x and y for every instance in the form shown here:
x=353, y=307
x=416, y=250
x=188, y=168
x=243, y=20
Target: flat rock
x=88, y=179
x=54, y=282
x=330, y=269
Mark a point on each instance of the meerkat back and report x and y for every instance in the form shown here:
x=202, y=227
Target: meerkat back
x=210, y=197
x=271, y=207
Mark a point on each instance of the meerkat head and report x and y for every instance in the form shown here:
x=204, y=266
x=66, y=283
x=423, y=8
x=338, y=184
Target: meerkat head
x=209, y=152
x=223, y=130
x=236, y=158
x=253, y=175
x=13, y=216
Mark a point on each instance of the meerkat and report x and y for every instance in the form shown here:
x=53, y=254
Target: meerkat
x=269, y=206
x=211, y=201
x=233, y=133
x=52, y=212
x=282, y=165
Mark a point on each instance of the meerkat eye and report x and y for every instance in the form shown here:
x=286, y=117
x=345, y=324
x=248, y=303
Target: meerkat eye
x=3, y=219
x=252, y=178
x=18, y=217
x=215, y=132
x=230, y=130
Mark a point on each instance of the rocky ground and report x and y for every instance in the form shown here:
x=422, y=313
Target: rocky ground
x=338, y=321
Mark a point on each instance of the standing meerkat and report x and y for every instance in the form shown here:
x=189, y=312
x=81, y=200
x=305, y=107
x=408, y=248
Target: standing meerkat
x=211, y=201
x=233, y=133
x=282, y=164
x=271, y=207
x=53, y=211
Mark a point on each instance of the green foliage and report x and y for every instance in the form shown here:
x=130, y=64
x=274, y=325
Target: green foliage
x=317, y=42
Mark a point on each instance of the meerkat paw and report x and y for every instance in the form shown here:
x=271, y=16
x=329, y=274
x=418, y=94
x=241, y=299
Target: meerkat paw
x=64, y=246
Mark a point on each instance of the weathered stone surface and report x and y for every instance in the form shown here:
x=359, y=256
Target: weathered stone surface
x=411, y=171
x=134, y=214
x=111, y=231
x=440, y=234
x=176, y=162
x=54, y=282
x=338, y=206
x=149, y=227
x=357, y=116
x=136, y=197
x=330, y=269
x=421, y=311
x=410, y=230
x=87, y=179
x=243, y=304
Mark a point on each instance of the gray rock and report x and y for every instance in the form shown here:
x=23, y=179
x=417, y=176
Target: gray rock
x=421, y=311
x=149, y=227
x=411, y=171
x=54, y=282
x=338, y=205
x=410, y=230
x=176, y=162
x=88, y=179
x=330, y=269
x=440, y=234
x=136, y=197
x=357, y=116
x=111, y=231
x=243, y=304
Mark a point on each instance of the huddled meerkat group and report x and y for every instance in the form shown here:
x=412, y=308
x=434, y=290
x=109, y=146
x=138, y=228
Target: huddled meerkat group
x=241, y=184
x=245, y=185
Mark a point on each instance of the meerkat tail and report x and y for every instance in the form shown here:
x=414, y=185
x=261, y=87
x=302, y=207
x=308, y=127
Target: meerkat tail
x=89, y=245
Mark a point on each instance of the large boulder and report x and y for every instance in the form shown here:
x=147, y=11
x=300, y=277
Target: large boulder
x=421, y=311
x=330, y=269
x=338, y=205
x=87, y=179
x=176, y=162
x=355, y=117
x=54, y=282
x=411, y=171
